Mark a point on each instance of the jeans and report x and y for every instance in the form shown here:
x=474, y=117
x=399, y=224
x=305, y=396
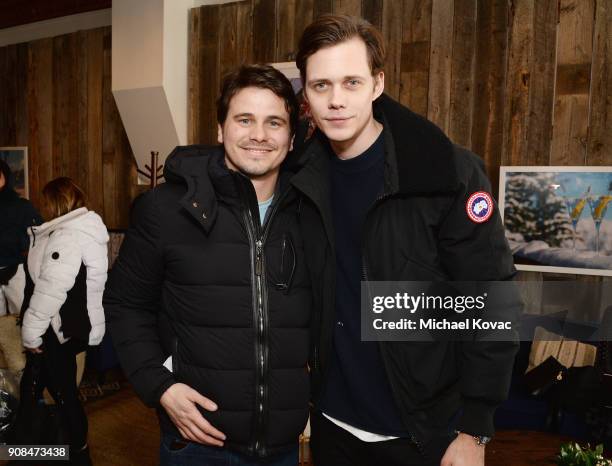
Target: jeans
x=195, y=454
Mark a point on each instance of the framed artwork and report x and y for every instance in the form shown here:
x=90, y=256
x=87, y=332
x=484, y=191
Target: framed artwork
x=17, y=159
x=558, y=219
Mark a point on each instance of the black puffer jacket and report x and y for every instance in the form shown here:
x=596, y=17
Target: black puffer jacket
x=16, y=215
x=418, y=230
x=199, y=279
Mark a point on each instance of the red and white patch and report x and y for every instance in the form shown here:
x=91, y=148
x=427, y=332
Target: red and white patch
x=479, y=207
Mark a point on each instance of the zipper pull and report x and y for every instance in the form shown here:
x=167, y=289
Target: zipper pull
x=258, y=251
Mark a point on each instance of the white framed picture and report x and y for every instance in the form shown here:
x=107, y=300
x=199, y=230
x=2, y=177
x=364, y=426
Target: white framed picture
x=17, y=160
x=558, y=219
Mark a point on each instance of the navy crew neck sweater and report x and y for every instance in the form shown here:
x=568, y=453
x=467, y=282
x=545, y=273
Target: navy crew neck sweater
x=357, y=390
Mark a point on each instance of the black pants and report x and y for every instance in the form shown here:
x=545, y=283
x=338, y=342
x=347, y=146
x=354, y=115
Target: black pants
x=331, y=445
x=54, y=369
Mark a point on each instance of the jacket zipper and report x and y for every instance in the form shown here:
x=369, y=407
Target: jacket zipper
x=365, y=276
x=175, y=359
x=257, y=240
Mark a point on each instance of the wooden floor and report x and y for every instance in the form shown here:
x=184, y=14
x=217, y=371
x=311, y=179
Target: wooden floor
x=124, y=432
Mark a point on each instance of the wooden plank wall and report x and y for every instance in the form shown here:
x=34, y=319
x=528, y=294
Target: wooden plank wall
x=519, y=82
x=55, y=96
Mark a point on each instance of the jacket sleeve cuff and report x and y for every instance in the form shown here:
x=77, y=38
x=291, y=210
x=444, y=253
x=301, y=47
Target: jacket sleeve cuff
x=161, y=389
x=477, y=419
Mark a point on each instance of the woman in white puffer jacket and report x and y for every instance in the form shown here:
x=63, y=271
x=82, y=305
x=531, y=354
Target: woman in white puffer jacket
x=67, y=266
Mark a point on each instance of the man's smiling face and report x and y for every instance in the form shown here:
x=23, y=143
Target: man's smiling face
x=256, y=133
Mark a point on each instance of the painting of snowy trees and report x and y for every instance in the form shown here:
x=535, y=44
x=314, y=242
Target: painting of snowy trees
x=558, y=219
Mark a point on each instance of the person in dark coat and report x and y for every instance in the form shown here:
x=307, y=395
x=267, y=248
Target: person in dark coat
x=209, y=301
x=16, y=215
x=388, y=197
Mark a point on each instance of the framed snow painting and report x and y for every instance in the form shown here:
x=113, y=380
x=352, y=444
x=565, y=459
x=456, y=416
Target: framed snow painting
x=558, y=219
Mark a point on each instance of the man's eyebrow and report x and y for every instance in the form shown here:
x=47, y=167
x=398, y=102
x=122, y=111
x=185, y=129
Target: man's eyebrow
x=269, y=117
x=277, y=117
x=318, y=80
x=327, y=80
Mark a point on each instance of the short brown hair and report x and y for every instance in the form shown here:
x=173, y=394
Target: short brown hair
x=62, y=196
x=328, y=30
x=263, y=77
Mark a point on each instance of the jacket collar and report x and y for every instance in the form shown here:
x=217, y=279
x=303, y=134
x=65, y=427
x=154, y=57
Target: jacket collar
x=54, y=224
x=419, y=157
x=423, y=153
x=203, y=171
x=189, y=165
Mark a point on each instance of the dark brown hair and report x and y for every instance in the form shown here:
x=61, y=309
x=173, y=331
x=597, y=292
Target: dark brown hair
x=62, y=195
x=328, y=30
x=263, y=77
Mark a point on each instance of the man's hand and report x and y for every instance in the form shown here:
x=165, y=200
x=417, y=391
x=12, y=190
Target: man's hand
x=179, y=401
x=464, y=451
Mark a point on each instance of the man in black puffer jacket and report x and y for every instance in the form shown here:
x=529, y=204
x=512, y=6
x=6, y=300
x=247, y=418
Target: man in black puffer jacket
x=209, y=301
x=16, y=216
x=399, y=202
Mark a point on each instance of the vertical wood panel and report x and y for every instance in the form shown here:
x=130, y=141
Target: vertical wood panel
x=347, y=7
x=304, y=11
x=244, y=37
x=65, y=104
x=40, y=116
x=95, y=72
x=574, y=56
x=122, y=165
x=21, y=110
x=286, y=31
x=462, y=75
x=392, y=33
x=518, y=83
x=303, y=17
x=440, y=63
x=108, y=138
x=82, y=46
x=541, y=97
x=322, y=7
x=4, y=116
x=193, y=76
x=228, y=56
x=265, y=24
x=65, y=113
x=9, y=88
x=209, y=73
x=490, y=76
x=600, y=117
x=372, y=11
x=415, y=55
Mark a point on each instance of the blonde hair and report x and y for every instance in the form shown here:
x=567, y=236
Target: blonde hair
x=63, y=195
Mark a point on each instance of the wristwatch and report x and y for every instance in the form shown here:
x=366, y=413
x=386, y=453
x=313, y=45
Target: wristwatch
x=481, y=440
